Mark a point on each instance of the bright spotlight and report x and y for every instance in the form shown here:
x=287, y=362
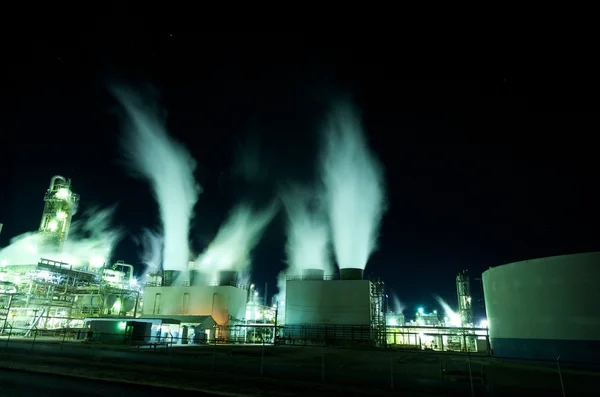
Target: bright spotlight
x=421, y=310
x=483, y=324
x=53, y=225
x=96, y=261
x=63, y=193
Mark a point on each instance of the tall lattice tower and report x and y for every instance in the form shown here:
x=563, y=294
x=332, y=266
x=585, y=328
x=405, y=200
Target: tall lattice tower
x=60, y=206
x=377, y=312
x=463, y=290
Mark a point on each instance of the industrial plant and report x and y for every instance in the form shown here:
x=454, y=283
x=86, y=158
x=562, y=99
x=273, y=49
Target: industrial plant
x=536, y=309
x=50, y=294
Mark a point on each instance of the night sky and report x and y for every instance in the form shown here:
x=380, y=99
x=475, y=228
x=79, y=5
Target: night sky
x=480, y=171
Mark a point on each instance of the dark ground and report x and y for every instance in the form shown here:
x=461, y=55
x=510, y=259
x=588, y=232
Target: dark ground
x=293, y=371
x=24, y=384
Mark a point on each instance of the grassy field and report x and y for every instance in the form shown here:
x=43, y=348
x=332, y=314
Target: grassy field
x=288, y=370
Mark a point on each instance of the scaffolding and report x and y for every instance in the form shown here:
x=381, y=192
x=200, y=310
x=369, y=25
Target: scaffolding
x=378, y=323
x=463, y=291
x=53, y=295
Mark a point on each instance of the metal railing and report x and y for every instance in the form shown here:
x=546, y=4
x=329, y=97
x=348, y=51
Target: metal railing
x=446, y=372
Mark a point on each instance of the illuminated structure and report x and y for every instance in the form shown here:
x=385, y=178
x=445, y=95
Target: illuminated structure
x=335, y=309
x=543, y=308
x=168, y=294
x=413, y=336
x=60, y=206
x=52, y=295
x=427, y=319
x=463, y=291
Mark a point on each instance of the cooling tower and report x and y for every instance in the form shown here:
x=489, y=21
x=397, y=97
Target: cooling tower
x=313, y=274
x=198, y=278
x=351, y=273
x=543, y=308
x=170, y=276
x=227, y=277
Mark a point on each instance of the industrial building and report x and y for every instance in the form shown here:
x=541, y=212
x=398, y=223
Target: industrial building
x=233, y=305
x=50, y=294
x=170, y=330
x=331, y=309
x=545, y=308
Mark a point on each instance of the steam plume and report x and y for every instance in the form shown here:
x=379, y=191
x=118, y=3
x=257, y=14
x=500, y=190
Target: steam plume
x=453, y=318
x=354, y=187
x=398, y=305
x=91, y=242
x=232, y=246
x=169, y=168
x=308, y=234
x=151, y=243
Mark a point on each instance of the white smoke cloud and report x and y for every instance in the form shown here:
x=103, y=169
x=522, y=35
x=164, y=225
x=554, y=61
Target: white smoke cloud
x=151, y=244
x=232, y=246
x=307, y=232
x=354, y=188
x=169, y=168
x=397, y=305
x=452, y=318
x=90, y=243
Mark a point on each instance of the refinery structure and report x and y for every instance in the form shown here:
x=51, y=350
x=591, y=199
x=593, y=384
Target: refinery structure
x=52, y=295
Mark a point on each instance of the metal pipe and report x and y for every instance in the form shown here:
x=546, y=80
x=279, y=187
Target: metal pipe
x=123, y=264
x=54, y=179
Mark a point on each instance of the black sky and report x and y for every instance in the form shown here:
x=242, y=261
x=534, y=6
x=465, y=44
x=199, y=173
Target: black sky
x=480, y=171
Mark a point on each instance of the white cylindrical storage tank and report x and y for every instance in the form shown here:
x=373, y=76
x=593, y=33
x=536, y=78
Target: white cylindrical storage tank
x=313, y=274
x=91, y=301
x=351, y=273
x=543, y=308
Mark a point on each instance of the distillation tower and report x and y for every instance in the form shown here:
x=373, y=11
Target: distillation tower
x=463, y=291
x=50, y=295
x=60, y=206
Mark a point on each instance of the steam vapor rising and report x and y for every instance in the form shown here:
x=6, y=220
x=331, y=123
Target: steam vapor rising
x=354, y=188
x=453, y=317
x=91, y=242
x=232, y=246
x=151, y=243
x=307, y=244
x=398, y=306
x=307, y=231
x=169, y=168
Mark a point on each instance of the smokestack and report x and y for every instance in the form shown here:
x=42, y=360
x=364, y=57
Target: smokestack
x=198, y=278
x=313, y=274
x=351, y=273
x=227, y=277
x=170, y=276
